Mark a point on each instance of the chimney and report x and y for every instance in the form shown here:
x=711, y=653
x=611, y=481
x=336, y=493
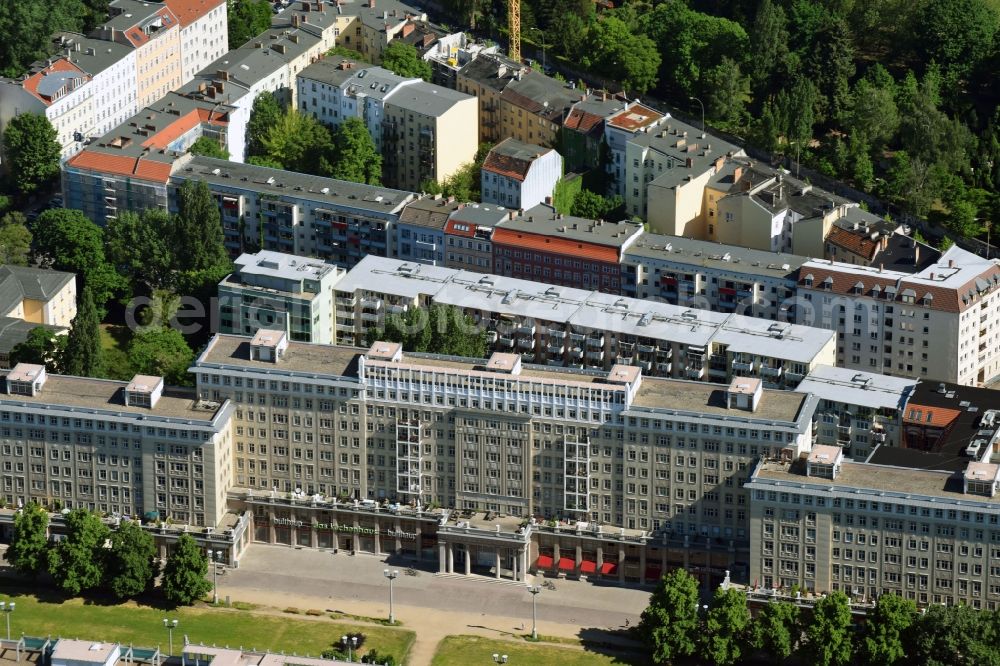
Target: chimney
x=407, y=29
x=371, y=3
x=548, y=201
x=737, y=174
x=916, y=254
x=689, y=162
x=306, y=6
x=951, y=263
x=885, y=242
x=604, y=95
x=223, y=74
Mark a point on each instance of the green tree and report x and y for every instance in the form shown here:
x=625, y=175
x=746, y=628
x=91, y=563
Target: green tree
x=184, y=579
x=768, y=48
x=831, y=66
x=828, y=634
x=41, y=347
x=197, y=237
x=82, y=357
x=64, y=239
x=947, y=636
x=402, y=59
x=15, y=239
x=794, y=112
x=355, y=157
x=32, y=149
x=300, y=143
x=161, y=352
x=778, y=629
x=727, y=92
x=131, y=561
x=871, y=113
x=669, y=626
x=727, y=627
x=27, y=27
x=265, y=114
x=209, y=147
x=957, y=35
x=344, y=52
x=77, y=562
x=454, y=333
x=265, y=161
x=140, y=248
x=885, y=627
x=593, y=206
x=29, y=543
x=617, y=54
x=247, y=19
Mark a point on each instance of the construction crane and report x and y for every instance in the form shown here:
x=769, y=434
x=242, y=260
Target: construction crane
x=514, y=29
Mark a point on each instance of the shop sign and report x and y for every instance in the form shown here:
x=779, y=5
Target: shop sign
x=339, y=527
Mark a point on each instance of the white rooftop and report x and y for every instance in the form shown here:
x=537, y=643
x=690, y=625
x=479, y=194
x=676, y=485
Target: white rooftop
x=285, y=266
x=955, y=269
x=545, y=303
x=82, y=651
x=824, y=454
x=854, y=387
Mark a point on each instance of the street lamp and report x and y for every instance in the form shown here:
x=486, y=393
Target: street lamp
x=170, y=625
x=499, y=658
x=534, y=589
x=702, y=113
x=391, y=575
x=7, y=607
x=350, y=642
x=213, y=557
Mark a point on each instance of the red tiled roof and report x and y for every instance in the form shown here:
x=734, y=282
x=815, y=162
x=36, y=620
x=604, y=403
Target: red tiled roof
x=563, y=246
x=507, y=165
x=62, y=65
x=137, y=37
x=179, y=127
x=859, y=244
x=459, y=228
x=122, y=165
x=189, y=11
x=582, y=121
x=634, y=117
x=938, y=417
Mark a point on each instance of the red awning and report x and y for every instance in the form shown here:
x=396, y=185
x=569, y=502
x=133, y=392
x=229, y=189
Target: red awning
x=588, y=566
x=727, y=291
x=653, y=573
x=567, y=564
x=544, y=562
x=609, y=568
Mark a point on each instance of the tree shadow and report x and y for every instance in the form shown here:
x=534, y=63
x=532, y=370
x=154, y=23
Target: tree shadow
x=620, y=645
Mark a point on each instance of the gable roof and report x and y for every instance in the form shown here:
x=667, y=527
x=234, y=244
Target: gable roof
x=189, y=11
x=513, y=158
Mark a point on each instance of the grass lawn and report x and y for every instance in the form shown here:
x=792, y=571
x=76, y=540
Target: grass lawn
x=143, y=626
x=461, y=650
x=114, y=343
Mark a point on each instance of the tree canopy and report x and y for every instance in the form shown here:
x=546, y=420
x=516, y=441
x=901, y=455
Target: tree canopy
x=131, y=561
x=41, y=347
x=184, y=579
x=354, y=156
x=82, y=356
x=885, y=628
x=15, y=239
x=161, y=351
x=29, y=544
x=247, y=19
x=28, y=25
x=440, y=329
x=208, y=147
x=828, y=634
x=403, y=59
x=31, y=146
x=265, y=114
x=670, y=625
x=77, y=562
x=198, y=238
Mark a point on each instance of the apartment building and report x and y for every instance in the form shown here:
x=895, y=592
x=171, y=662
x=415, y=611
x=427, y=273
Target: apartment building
x=712, y=276
x=582, y=139
x=31, y=297
x=113, y=86
x=129, y=168
x=420, y=231
x=858, y=411
x=407, y=118
x=57, y=89
x=272, y=290
x=469, y=237
x=563, y=326
x=593, y=449
x=485, y=78
x=867, y=240
x=544, y=245
x=294, y=213
x=154, y=31
x=887, y=320
x=125, y=448
x=450, y=53
x=825, y=523
x=519, y=175
x=204, y=33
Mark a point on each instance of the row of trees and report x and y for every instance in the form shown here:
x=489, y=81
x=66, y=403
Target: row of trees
x=288, y=139
x=28, y=26
x=92, y=557
x=440, y=329
x=675, y=626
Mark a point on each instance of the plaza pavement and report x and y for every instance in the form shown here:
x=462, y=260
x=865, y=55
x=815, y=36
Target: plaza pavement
x=432, y=606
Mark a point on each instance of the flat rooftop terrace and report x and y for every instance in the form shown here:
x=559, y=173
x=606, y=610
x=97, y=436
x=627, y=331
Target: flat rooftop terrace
x=705, y=398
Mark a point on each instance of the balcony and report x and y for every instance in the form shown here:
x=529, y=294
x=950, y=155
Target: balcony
x=663, y=368
x=556, y=349
x=528, y=329
x=491, y=337
x=505, y=342
x=768, y=371
x=528, y=357
x=525, y=343
x=396, y=309
x=576, y=352
x=695, y=373
x=741, y=366
x=626, y=360
x=369, y=316
x=371, y=304
x=794, y=377
x=646, y=349
x=577, y=337
x=595, y=341
x=595, y=356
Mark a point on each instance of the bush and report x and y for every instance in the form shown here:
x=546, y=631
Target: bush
x=314, y=613
x=293, y=611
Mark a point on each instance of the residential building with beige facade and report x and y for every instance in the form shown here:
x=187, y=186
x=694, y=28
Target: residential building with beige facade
x=32, y=297
x=643, y=473
x=125, y=448
x=824, y=523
